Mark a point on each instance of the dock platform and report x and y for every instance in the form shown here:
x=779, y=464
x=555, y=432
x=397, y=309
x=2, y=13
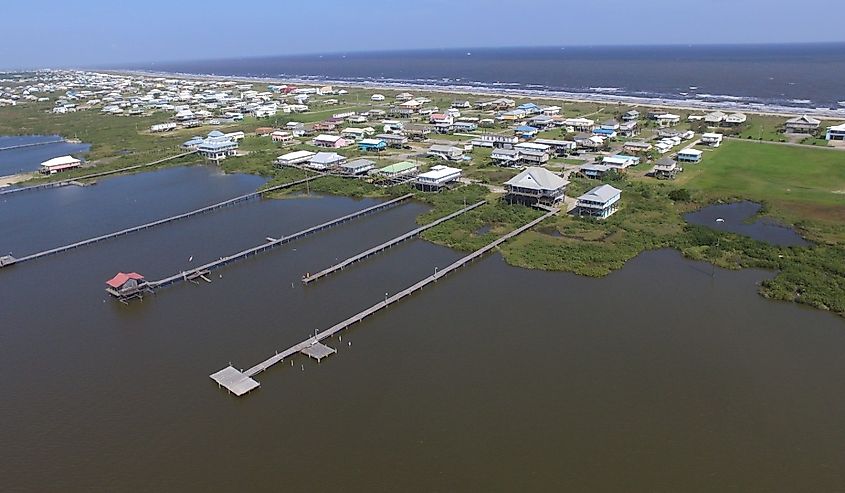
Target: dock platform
x=331, y=331
x=234, y=381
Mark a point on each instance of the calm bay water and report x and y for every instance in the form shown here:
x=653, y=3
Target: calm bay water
x=657, y=378
x=25, y=159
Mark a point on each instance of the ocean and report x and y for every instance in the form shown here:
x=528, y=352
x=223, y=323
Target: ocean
x=808, y=76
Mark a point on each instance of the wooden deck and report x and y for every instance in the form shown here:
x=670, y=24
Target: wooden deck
x=388, y=244
x=70, y=181
x=272, y=243
x=159, y=222
x=331, y=331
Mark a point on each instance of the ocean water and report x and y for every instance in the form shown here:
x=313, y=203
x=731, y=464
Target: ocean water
x=800, y=75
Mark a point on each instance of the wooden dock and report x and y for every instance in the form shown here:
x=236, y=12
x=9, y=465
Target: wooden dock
x=244, y=378
x=159, y=222
x=272, y=243
x=33, y=144
x=70, y=181
x=388, y=244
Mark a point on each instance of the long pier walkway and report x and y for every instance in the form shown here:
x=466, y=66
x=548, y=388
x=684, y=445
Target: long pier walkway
x=159, y=222
x=77, y=179
x=33, y=144
x=384, y=246
x=271, y=243
x=240, y=382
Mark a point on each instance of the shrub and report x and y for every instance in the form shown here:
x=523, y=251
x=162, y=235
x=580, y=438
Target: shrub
x=680, y=195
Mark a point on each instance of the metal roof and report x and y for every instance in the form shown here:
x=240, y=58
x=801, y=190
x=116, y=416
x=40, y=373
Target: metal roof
x=537, y=178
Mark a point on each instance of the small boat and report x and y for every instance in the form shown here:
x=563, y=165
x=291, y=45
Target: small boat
x=719, y=220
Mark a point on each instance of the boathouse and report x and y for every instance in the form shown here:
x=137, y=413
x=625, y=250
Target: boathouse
x=536, y=185
x=600, y=202
x=126, y=285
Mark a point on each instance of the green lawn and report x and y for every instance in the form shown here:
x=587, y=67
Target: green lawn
x=796, y=182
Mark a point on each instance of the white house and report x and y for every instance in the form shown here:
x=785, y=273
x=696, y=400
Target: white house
x=600, y=202
x=447, y=152
x=690, y=155
x=620, y=161
x=711, y=139
x=58, y=164
x=325, y=160
x=377, y=97
x=667, y=119
x=437, y=177
x=294, y=158
x=216, y=146
x=836, y=132
x=579, y=124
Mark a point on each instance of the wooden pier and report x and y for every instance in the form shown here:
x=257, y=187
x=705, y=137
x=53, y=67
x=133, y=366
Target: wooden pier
x=159, y=222
x=33, y=144
x=241, y=381
x=272, y=243
x=70, y=181
x=388, y=244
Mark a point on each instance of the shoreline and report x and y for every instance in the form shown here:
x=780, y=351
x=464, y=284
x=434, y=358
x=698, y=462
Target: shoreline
x=597, y=97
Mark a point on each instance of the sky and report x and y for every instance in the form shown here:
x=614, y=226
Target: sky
x=53, y=33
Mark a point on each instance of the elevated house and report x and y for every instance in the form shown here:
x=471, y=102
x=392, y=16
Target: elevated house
x=495, y=141
x=735, y=119
x=325, y=160
x=372, y=145
x=526, y=132
x=579, y=124
x=532, y=153
x=59, y=164
x=217, y=146
x=417, y=132
x=393, y=140
x=536, y=185
x=125, y=286
x=461, y=104
x=667, y=119
x=294, y=158
x=600, y=202
x=353, y=133
x=690, y=155
x=438, y=177
x=711, y=139
x=665, y=169
x=715, y=118
x=357, y=167
x=506, y=157
x=591, y=142
x=594, y=171
x=399, y=170
x=620, y=161
x=836, y=132
x=802, y=125
x=464, y=126
x=629, y=129
x=281, y=137
x=447, y=152
x=631, y=116
x=637, y=147
x=559, y=147
x=331, y=141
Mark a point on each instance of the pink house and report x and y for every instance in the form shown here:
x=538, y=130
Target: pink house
x=332, y=141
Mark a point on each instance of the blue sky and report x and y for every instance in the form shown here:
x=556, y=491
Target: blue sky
x=52, y=33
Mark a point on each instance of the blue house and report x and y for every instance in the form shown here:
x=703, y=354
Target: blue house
x=526, y=131
x=607, y=132
x=368, y=145
x=529, y=108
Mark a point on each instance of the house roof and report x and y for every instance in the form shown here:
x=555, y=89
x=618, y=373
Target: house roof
x=326, y=158
x=443, y=148
x=804, y=119
x=358, y=163
x=601, y=193
x=537, y=178
x=398, y=167
x=60, y=161
x=121, y=278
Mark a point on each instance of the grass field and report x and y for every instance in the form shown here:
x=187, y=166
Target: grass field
x=794, y=182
